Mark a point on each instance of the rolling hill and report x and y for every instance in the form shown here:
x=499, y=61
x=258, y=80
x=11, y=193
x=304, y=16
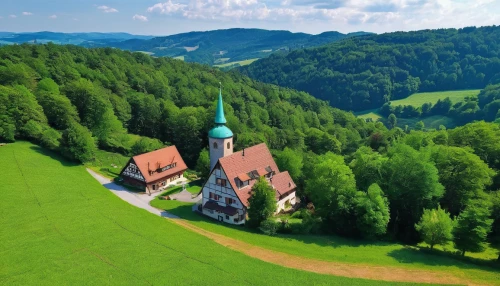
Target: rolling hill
x=84, y=39
x=364, y=72
x=231, y=45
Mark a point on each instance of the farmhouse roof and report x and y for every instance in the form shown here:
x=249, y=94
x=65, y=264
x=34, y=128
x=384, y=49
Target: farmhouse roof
x=150, y=164
x=245, y=164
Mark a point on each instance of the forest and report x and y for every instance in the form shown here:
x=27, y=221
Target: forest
x=356, y=178
x=366, y=72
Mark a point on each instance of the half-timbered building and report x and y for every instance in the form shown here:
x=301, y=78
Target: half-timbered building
x=226, y=193
x=153, y=171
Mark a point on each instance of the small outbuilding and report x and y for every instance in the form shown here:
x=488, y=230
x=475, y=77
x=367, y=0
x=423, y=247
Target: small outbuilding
x=153, y=171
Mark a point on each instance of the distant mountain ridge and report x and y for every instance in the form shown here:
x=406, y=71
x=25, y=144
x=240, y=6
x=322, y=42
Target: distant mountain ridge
x=229, y=45
x=216, y=47
x=85, y=39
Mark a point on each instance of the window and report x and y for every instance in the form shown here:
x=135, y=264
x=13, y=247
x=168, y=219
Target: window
x=228, y=145
x=242, y=184
x=215, y=145
x=213, y=196
x=220, y=182
x=229, y=201
x=227, y=217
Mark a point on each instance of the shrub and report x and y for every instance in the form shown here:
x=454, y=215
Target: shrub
x=269, y=226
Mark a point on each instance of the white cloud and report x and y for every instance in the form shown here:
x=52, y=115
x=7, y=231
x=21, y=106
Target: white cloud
x=348, y=15
x=53, y=17
x=27, y=13
x=107, y=9
x=12, y=16
x=140, y=18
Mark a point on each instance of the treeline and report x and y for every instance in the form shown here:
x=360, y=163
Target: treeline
x=74, y=99
x=486, y=106
x=437, y=187
x=366, y=72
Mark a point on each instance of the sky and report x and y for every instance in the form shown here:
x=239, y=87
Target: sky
x=160, y=17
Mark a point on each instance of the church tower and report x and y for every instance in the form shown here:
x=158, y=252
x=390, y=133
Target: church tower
x=220, y=138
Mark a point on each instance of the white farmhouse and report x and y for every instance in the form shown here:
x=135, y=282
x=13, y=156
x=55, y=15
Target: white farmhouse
x=226, y=192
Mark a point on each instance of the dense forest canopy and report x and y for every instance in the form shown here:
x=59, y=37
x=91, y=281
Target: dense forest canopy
x=362, y=179
x=113, y=93
x=365, y=72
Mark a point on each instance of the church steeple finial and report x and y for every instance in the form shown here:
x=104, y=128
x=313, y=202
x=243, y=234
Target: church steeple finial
x=219, y=113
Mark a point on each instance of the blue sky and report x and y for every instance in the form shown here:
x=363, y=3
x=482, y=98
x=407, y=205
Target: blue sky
x=160, y=17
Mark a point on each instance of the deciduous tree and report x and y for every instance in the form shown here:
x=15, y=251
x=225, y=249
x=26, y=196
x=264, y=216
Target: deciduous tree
x=435, y=227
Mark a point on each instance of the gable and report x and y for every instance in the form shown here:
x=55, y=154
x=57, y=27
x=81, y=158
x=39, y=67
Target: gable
x=224, y=191
x=131, y=170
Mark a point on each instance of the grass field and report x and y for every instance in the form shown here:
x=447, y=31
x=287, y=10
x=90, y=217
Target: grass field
x=193, y=187
x=418, y=99
x=241, y=63
x=331, y=248
x=179, y=58
x=61, y=227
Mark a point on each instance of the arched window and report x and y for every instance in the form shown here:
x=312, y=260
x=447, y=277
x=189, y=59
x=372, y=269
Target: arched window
x=215, y=145
x=228, y=145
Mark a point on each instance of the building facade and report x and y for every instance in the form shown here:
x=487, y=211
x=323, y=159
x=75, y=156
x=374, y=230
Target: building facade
x=153, y=171
x=226, y=192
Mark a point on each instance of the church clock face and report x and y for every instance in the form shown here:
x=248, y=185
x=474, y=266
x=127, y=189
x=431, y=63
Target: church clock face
x=132, y=171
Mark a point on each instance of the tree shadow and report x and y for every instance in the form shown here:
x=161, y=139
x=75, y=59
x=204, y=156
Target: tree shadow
x=433, y=257
x=55, y=156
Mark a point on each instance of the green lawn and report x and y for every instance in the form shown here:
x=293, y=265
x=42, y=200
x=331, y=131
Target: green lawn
x=193, y=187
x=59, y=226
x=418, y=99
x=332, y=248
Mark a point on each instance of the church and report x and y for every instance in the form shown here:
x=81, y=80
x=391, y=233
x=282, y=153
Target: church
x=229, y=186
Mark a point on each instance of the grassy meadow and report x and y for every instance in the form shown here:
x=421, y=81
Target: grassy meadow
x=241, y=63
x=333, y=248
x=59, y=226
x=418, y=99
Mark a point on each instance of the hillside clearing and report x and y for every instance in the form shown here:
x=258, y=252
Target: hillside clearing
x=241, y=63
x=339, y=250
x=61, y=227
x=418, y=99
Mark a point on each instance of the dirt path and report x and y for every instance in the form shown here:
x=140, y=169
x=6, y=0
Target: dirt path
x=382, y=273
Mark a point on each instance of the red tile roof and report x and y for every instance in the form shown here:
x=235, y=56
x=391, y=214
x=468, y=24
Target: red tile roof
x=256, y=158
x=157, y=160
x=282, y=183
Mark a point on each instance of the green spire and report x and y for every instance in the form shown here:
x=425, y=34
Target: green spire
x=219, y=113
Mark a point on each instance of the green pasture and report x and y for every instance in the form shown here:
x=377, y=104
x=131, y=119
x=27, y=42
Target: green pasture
x=59, y=226
x=418, y=99
x=179, y=58
x=333, y=248
x=241, y=63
